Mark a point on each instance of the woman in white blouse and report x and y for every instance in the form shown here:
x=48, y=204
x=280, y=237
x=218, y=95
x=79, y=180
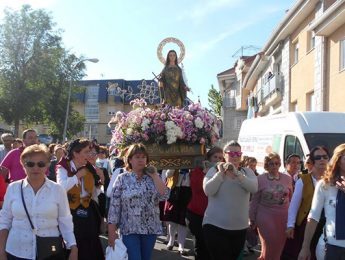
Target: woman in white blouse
x=329, y=196
x=82, y=184
x=46, y=203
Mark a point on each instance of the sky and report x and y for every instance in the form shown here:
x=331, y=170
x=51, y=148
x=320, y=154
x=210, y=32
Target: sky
x=124, y=34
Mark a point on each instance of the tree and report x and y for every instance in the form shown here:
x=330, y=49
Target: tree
x=34, y=70
x=215, y=101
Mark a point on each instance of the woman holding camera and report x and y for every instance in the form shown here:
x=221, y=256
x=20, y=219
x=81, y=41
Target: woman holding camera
x=228, y=189
x=134, y=205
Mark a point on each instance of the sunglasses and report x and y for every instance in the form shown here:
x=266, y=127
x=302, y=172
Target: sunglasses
x=234, y=154
x=273, y=164
x=320, y=157
x=39, y=164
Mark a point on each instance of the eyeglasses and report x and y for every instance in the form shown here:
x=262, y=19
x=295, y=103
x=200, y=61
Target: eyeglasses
x=274, y=164
x=320, y=157
x=234, y=154
x=39, y=164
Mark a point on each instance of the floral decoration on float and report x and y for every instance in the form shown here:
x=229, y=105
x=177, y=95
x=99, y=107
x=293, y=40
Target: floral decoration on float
x=167, y=131
x=166, y=125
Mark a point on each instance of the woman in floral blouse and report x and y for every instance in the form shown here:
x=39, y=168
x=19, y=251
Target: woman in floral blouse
x=269, y=208
x=134, y=205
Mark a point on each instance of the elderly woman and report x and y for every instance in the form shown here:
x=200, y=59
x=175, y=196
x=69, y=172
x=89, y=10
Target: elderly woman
x=82, y=184
x=269, y=208
x=46, y=204
x=228, y=189
x=329, y=196
x=134, y=205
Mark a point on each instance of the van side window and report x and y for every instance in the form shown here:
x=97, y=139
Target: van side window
x=292, y=145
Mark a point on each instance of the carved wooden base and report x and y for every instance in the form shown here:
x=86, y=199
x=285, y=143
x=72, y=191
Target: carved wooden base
x=176, y=156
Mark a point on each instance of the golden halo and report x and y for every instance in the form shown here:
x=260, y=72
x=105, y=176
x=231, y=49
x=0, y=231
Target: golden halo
x=168, y=40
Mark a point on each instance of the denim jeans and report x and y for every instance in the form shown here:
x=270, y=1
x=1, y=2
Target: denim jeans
x=139, y=247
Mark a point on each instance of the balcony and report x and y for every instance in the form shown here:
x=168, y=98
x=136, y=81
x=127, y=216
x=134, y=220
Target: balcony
x=241, y=99
x=270, y=93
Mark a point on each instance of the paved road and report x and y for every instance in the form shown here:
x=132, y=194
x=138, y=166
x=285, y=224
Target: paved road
x=161, y=253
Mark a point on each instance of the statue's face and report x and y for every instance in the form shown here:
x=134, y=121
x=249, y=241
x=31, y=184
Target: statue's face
x=172, y=56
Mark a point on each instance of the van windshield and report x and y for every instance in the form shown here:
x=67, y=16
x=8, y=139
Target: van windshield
x=330, y=141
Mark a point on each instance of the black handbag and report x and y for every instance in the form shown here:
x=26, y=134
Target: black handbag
x=47, y=248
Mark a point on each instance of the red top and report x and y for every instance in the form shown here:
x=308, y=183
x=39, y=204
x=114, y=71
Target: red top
x=198, y=203
x=3, y=188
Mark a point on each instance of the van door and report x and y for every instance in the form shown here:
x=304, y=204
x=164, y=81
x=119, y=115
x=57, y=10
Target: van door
x=292, y=145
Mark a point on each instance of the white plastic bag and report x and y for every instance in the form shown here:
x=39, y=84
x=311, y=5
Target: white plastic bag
x=119, y=253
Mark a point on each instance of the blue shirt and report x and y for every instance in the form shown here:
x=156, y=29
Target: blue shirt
x=134, y=205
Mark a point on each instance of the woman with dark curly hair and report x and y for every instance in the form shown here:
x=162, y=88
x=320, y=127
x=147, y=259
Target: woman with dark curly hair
x=329, y=196
x=82, y=184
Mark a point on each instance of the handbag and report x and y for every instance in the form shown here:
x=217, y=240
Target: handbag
x=119, y=252
x=47, y=248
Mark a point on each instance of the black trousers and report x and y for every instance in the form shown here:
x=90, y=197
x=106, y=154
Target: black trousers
x=224, y=244
x=195, y=227
x=334, y=252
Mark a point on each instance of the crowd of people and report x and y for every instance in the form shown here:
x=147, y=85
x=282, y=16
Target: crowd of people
x=80, y=190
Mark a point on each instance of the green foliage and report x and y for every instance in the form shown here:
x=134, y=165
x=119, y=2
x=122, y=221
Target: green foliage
x=35, y=70
x=215, y=101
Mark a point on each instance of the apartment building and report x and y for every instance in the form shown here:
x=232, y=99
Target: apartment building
x=302, y=65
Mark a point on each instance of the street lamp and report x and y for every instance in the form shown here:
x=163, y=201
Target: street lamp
x=94, y=60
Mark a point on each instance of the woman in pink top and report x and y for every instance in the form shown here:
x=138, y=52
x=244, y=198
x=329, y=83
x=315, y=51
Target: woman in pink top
x=269, y=208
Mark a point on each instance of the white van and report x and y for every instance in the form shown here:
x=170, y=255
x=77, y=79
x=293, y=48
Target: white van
x=294, y=132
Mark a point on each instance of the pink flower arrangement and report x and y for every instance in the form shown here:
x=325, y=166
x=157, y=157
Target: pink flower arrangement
x=167, y=125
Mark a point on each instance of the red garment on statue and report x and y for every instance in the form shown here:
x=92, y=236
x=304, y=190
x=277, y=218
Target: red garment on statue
x=198, y=203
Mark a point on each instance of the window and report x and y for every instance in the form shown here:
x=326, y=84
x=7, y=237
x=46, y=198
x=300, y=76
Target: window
x=342, y=54
x=292, y=145
x=295, y=52
x=310, y=101
x=91, y=111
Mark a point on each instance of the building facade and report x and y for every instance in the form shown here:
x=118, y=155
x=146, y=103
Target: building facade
x=302, y=65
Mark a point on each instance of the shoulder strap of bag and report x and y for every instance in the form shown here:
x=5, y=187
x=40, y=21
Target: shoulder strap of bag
x=26, y=210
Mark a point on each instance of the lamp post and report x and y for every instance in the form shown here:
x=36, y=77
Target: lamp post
x=94, y=60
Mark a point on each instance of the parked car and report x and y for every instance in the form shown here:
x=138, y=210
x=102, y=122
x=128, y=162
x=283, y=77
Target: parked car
x=45, y=139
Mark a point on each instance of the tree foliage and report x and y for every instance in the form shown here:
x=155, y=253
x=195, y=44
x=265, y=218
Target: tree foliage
x=34, y=70
x=215, y=101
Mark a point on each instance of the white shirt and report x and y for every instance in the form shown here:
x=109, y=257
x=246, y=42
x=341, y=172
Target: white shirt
x=48, y=209
x=112, y=181
x=325, y=197
x=296, y=202
x=68, y=182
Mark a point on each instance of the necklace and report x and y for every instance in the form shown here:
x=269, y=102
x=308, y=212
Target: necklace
x=271, y=178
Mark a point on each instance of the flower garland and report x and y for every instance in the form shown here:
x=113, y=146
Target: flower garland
x=167, y=125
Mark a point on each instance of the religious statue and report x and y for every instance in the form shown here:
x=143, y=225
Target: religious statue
x=172, y=86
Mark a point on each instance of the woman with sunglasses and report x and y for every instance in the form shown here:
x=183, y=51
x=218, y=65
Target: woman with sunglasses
x=301, y=203
x=269, y=208
x=228, y=188
x=47, y=206
x=82, y=184
x=329, y=197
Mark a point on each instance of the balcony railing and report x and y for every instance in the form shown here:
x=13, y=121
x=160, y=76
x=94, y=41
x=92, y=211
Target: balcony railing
x=229, y=102
x=268, y=89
